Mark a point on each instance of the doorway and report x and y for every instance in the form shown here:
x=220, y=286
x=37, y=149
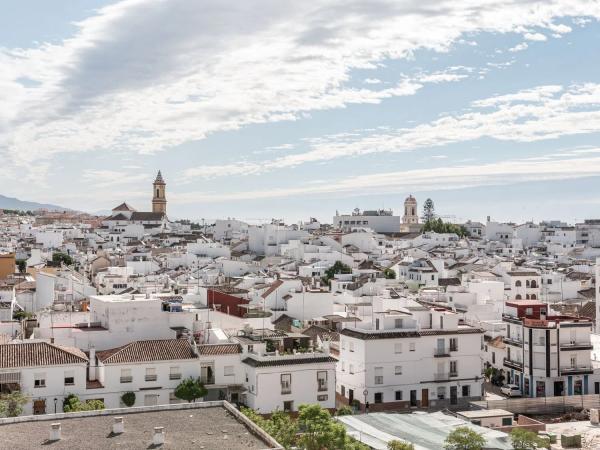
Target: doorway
x=39, y=407
x=453, y=395
x=424, y=398
x=559, y=387
x=350, y=395
x=413, y=398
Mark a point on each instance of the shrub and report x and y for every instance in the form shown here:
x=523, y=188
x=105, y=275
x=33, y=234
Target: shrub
x=128, y=399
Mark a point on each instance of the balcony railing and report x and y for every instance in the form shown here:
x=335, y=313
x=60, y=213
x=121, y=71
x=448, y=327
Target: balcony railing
x=151, y=377
x=286, y=389
x=126, y=379
x=578, y=370
x=453, y=373
x=207, y=380
x=576, y=346
x=175, y=376
x=441, y=352
x=512, y=341
x=513, y=364
x=441, y=376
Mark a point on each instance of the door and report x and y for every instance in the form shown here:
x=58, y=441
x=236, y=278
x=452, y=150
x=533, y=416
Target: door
x=597, y=388
x=559, y=387
x=413, y=398
x=350, y=395
x=150, y=400
x=39, y=407
x=453, y=395
x=424, y=398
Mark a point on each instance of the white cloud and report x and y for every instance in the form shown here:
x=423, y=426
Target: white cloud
x=541, y=113
x=519, y=47
x=443, y=178
x=372, y=81
x=146, y=76
x=535, y=36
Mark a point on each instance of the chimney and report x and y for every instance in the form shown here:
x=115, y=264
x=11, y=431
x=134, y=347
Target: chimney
x=55, y=432
x=118, y=426
x=92, y=366
x=159, y=436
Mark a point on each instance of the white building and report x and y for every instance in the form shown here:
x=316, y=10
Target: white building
x=413, y=357
x=380, y=221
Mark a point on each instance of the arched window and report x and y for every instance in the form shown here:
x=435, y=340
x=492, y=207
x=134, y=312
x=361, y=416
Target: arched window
x=518, y=283
x=527, y=283
x=527, y=297
x=158, y=192
x=518, y=297
x=533, y=284
x=533, y=297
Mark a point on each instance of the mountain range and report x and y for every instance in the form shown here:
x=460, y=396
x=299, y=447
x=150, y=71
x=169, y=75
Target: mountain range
x=15, y=203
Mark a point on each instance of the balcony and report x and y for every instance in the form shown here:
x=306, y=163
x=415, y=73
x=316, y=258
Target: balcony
x=126, y=379
x=441, y=376
x=514, y=342
x=205, y=380
x=441, y=353
x=513, y=364
x=578, y=370
x=150, y=377
x=576, y=346
x=175, y=376
x=453, y=374
x=511, y=319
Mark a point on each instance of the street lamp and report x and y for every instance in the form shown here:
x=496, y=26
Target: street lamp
x=55, y=400
x=365, y=393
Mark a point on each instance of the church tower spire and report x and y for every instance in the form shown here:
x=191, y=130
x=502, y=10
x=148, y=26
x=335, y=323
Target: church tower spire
x=159, y=199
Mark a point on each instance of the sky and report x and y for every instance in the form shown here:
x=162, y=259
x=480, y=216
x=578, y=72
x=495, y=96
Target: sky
x=290, y=110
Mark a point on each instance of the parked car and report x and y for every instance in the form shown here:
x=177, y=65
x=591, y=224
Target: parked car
x=511, y=390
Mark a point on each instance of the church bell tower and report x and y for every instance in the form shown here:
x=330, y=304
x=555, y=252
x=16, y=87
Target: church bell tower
x=159, y=200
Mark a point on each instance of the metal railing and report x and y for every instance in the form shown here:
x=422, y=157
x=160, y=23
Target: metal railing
x=126, y=379
x=151, y=378
x=175, y=376
x=441, y=352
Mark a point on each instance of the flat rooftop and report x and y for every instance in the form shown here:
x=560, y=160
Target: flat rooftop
x=483, y=413
x=191, y=426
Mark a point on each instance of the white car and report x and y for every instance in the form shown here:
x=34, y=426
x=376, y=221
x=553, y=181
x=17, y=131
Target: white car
x=511, y=390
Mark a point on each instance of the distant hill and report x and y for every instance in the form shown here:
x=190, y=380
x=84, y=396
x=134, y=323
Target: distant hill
x=15, y=203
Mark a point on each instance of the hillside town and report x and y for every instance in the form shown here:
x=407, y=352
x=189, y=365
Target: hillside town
x=374, y=314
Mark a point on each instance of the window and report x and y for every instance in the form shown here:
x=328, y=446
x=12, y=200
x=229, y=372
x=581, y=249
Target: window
x=453, y=368
x=506, y=421
x=228, y=371
x=398, y=396
x=398, y=348
x=574, y=361
x=322, y=398
x=453, y=344
x=343, y=391
x=378, y=397
x=441, y=392
x=126, y=376
x=351, y=369
x=528, y=311
x=466, y=391
x=174, y=373
x=173, y=399
x=343, y=366
x=69, y=378
x=378, y=375
x=150, y=374
x=39, y=380
x=250, y=348
x=518, y=283
x=398, y=323
x=411, y=347
x=288, y=406
x=322, y=380
x=398, y=370
x=286, y=383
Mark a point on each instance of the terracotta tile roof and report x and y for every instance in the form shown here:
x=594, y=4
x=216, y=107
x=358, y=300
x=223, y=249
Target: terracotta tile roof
x=220, y=349
x=123, y=207
x=32, y=354
x=147, y=351
x=147, y=216
x=272, y=289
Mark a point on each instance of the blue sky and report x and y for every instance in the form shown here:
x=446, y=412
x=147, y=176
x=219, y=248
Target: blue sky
x=262, y=109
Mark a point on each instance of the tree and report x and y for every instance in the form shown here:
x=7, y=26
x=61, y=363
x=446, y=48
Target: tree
x=59, y=258
x=344, y=411
x=428, y=210
x=73, y=404
x=439, y=226
x=464, y=438
x=21, y=265
x=389, y=274
x=282, y=428
x=400, y=445
x=318, y=430
x=128, y=399
x=11, y=405
x=527, y=440
x=338, y=267
x=190, y=389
